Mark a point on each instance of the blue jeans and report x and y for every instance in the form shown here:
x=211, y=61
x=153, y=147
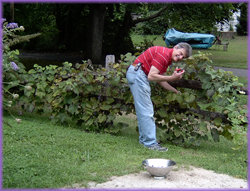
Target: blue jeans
x=140, y=88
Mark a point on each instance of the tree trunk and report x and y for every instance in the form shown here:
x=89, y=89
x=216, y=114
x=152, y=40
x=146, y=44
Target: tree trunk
x=12, y=12
x=123, y=41
x=97, y=26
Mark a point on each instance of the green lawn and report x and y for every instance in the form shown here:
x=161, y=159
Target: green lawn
x=234, y=57
x=39, y=154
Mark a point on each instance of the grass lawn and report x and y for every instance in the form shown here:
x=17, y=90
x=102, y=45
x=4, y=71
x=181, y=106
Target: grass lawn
x=234, y=57
x=39, y=154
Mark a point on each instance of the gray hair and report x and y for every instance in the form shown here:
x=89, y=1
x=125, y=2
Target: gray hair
x=186, y=47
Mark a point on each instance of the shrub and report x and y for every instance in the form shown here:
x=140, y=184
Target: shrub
x=91, y=98
x=13, y=71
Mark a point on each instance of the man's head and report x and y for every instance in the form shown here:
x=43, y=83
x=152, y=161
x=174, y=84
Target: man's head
x=181, y=50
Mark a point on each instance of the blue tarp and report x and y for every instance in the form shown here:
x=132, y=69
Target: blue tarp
x=196, y=40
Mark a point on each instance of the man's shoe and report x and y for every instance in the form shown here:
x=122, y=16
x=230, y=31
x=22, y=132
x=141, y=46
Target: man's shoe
x=158, y=147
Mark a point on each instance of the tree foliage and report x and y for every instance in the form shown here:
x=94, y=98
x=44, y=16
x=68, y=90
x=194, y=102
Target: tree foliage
x=189, y=17
x=69, y=27
x=242, y=26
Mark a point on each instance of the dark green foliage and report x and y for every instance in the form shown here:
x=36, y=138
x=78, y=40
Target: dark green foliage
x=77, y=95
x=242, y=26
x=91, y=98
x=67, y=27
x=63, y=26
x=36, y=18
x=188, y=17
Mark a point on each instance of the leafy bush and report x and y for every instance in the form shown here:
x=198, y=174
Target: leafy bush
x=91, y=98
x=13, y=80
x=188, y=117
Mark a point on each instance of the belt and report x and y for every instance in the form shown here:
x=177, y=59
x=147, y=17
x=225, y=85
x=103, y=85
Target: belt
x=134, y=64
x=137, y=66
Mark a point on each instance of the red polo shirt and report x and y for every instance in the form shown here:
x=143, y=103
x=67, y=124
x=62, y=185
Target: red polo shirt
x=157, y=56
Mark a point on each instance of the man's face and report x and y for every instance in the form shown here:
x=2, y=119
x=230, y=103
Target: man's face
x=178, y=54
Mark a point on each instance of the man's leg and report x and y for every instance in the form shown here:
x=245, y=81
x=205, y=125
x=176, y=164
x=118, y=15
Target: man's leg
x=144, y=109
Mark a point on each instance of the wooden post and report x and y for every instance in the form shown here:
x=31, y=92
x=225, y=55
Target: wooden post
x=110, y=59
x=225, y=47
x=12, y=12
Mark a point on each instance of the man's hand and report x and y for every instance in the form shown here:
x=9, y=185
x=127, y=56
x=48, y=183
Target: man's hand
x=178, y=70
x=155, y=76
x=178, y=92
x=178, y=73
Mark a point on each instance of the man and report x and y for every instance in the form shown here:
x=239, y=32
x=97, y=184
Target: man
x=150, y=66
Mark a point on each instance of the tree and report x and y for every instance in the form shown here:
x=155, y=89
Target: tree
x=100, y=29
x=242, y=26
x=12, y=12
x=190, y=17
x=120, y=16
x=98, y=12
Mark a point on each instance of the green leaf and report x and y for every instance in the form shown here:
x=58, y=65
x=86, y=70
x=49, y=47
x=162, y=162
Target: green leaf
x=210, y=93
x=100, y=78
x=73, y=109
x=190, y=99
x=179, y=117
x=179, y=99
x=40, y=94
x=162, y=112
x=106, y=107
x=85, y=117
x=109, y=101
x=177, y=132
x=206, y=86
x=203, y=126
x=217, y=121
x=84, y=80
x=101, y=118
x=89, y=122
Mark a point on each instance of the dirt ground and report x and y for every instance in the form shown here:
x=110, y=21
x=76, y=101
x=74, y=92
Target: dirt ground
x=180, y=177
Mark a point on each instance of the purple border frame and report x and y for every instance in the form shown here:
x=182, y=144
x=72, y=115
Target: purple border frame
x=125, y=1
x=122, y=1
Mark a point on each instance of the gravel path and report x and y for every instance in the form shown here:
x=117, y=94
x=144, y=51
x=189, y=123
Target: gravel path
x=236, y=72
x=177, y=178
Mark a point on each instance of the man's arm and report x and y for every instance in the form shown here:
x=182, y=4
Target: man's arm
x=154, y=75
x=167, y=86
